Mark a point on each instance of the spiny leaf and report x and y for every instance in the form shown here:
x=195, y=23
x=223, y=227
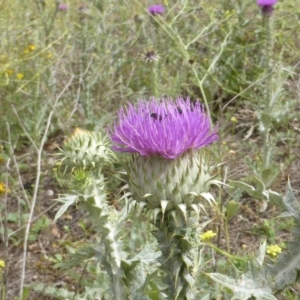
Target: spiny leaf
x=80, y=255
x=258, y=191
x=287, y=266
x=253, y=283
x=291, y=203
x=67, y=201
x=244, y=287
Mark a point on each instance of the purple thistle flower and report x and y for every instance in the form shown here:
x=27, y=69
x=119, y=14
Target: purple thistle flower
x=266, y=6
x=156, y=9
x=162, y=127
x=266, y=2
x=62, y=7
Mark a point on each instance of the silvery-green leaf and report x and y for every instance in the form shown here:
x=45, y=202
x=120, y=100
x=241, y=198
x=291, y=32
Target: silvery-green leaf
x=261, y=253
x=67, y=201
x=232, y=208
x=245, y=287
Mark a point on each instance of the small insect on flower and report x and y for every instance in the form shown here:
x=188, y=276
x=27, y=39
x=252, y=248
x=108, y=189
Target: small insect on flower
x=183, y=126
x=207, y=236
x=179, y=110
x=154, y=116
x=274, y=250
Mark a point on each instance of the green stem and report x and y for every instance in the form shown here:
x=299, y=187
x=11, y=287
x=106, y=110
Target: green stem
x=208, y=73
x=230, y=256
x=178, y=255
x=227, y=235
x=155, y=82
x=266, y=126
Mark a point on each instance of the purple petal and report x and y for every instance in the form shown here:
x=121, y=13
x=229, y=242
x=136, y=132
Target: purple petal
x=162, y=127
x=266, y=2
x=156, y=9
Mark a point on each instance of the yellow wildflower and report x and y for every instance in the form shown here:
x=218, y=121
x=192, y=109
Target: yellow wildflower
x=2, y=188
x=9, y=72
x=2, y=264
x=20, y=76
x=31, y=47
x=207, y=236
x=3, y=58
x=274, y=250
x=233, y=120
x=49, y=55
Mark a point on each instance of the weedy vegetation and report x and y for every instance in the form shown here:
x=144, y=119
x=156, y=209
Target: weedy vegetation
x=107, y=190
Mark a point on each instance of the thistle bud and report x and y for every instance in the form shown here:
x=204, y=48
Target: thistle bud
x=85, y=149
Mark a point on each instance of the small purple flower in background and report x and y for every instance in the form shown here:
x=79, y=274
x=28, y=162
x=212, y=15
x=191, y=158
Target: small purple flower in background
x=62, y=7
x=156, y=9
x=162, y=127
x=266, y=6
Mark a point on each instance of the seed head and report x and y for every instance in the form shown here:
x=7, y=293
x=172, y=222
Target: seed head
x=150, y=56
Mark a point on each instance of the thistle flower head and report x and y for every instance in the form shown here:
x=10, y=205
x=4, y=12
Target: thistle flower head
x=266, y=2
x=150, y=56
x=156, y=9
x=165, y=172
x=62, y=7
x=163, y=127
x=266, y=6
x=83, y=9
